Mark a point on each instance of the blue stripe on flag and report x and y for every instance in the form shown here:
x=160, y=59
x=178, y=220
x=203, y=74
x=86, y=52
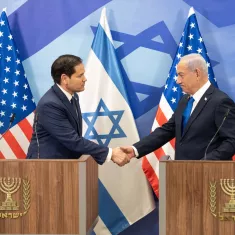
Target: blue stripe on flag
x=104, y=49
x=44, y=15
x=110, y=213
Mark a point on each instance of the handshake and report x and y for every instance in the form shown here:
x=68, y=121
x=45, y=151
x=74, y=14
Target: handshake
x=122, y=155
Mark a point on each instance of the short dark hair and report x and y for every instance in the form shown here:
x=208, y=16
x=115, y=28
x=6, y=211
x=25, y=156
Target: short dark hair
x=64, y=65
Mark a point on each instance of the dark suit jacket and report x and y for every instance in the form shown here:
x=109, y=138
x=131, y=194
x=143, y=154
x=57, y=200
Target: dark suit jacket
x=59, y=130
x=202, y=125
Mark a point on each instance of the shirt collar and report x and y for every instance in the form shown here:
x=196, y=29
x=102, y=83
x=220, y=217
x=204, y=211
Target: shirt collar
x=198, y=95
x=67, y=94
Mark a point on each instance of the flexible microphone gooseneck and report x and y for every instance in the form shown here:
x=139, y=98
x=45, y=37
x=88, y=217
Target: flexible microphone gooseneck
x=36, y=133
x=165, y=158
x=225, y=116
x=10, y=123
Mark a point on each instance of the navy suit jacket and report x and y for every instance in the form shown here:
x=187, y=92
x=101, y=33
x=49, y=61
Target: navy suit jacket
x=201, y=127
x=59, y=130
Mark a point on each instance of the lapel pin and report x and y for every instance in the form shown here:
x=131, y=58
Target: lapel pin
x=205, y=99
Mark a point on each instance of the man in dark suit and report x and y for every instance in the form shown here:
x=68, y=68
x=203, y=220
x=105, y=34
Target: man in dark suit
x=57, y=129
x=197, y=118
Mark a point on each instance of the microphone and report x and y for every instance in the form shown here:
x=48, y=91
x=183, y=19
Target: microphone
x=10, y=123
x=165, y=158
x=12, y=118
x=36, y=133
x=225, y=116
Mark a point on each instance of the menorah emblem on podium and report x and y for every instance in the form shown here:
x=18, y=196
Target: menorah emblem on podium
x=9, y=186
x=228, y=187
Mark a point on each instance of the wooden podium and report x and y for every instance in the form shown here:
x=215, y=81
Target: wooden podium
x=48, y=196
x=197, y=198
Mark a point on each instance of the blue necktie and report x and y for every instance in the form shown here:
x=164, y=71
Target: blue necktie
x=187, y=112
x=73, y=102
x=76, y=106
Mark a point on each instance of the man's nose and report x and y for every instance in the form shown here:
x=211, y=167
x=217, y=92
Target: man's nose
x=178, y=81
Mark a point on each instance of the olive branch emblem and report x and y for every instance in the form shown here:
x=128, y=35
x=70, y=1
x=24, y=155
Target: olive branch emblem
x=26, y=195
x=213, y=198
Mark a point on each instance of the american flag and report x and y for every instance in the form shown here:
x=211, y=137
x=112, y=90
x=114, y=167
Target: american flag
x=190, y=42
x=15, y=98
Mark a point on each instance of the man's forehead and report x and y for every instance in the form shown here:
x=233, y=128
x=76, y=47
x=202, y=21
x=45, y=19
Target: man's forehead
x=79, y=68
x=182, y=65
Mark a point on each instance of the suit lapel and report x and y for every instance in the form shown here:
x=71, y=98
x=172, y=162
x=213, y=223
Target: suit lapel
x=201, y=104
x=68, y=105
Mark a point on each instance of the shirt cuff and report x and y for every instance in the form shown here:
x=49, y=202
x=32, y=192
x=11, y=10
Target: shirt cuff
x=109, y=156
x=135, y=151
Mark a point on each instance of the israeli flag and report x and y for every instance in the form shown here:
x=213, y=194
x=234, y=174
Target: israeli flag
x=124, y=193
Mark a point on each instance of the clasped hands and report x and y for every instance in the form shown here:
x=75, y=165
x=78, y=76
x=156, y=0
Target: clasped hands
x=122, y=155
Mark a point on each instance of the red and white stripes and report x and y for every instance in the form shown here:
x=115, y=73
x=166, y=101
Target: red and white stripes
x=15, y=142
x=150, y=163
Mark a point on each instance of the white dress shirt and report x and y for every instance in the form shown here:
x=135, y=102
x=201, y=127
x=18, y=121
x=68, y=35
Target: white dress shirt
x=198, y=95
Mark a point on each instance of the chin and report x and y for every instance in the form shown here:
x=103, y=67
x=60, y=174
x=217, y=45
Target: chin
x=81, y=90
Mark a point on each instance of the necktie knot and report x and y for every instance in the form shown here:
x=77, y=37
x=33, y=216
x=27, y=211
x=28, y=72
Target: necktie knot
x=190, y=100
x=72, y=100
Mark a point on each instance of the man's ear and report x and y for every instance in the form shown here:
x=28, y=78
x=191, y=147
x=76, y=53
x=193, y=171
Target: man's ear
x=63, y=79
x=198, y=73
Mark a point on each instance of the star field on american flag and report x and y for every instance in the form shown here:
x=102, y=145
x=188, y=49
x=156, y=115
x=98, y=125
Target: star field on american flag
x=190, y=42
x=15, y=94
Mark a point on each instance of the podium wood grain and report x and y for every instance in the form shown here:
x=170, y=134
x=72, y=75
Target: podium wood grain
x=187, y=197
x=55, y=194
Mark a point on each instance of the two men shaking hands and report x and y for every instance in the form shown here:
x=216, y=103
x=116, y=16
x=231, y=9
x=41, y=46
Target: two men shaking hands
x=57, y=131
x=122, y=155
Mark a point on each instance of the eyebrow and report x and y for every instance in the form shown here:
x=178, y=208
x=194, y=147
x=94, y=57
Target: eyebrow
x=181, y=73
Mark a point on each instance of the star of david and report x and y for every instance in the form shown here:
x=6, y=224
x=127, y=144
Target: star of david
x=102, y=111
x=130, y=44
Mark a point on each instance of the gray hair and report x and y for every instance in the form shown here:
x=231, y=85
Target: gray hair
x=194, y=61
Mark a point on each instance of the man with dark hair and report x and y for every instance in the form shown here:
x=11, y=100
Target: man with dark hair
x=57, y=129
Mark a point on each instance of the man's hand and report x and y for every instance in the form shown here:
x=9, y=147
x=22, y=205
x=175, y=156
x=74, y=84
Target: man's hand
x=129, y=151
x=119, y=157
